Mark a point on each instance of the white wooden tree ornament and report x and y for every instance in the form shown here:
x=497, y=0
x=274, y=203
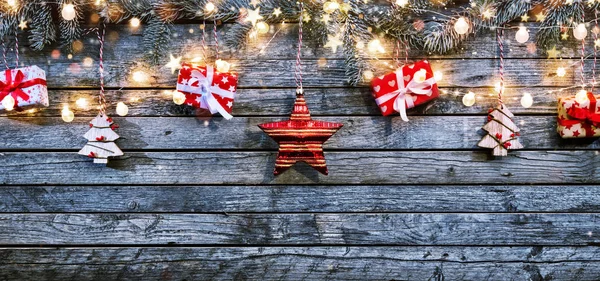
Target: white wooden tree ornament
x=502, y=133
x=101, y=140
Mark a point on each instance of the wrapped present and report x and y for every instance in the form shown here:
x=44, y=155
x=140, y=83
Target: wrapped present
x=204, y=87
x=25, y=86
x=579, y=116
x=407, y=87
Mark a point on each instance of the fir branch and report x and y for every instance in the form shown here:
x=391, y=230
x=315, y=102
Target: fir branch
x=43, y=29
x=355, y=30
x=558, y=15
x=157, y=35
x=237, y=36
x=70, y=30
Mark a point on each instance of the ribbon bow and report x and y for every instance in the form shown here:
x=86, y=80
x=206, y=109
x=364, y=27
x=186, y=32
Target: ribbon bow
x=207, y=90
x=403, y=102
x=14, y=87
x=588, y=116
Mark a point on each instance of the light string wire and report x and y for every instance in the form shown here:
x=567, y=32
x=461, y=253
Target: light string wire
x=298, y=70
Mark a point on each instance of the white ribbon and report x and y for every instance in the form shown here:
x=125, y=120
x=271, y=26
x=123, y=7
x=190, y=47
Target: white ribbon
x=402, y=101
x=206, y=90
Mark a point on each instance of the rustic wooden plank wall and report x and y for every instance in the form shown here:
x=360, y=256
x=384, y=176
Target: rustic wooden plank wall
x=194, y=198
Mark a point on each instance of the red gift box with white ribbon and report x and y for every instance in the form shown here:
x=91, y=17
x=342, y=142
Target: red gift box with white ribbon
x=407, y=87
x=205, y=87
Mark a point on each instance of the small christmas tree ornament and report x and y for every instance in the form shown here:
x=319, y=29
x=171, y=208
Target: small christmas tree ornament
x=300, y=138
x=501, y=132
x=409, y=86
x=22, y=88
x=101, y=140
x=208, y=87
x=101, y=136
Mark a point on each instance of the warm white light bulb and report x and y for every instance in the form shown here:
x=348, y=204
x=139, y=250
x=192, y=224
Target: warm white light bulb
x=122, y=109
x=527, y=100
x=67, y=115
x=222, y=66
x=581, y=97
x=68, y=12
x=139, y=76
x=9, y=103
x=375, y=46
x=580, y=32
x=178, y=97
x=368, y=75
x=210, y=7
x=420, y=76
x=461, y=26
x=438, y=76
x=469, y=99
x=11, y=3
x=330, y=6
x=262, y=27
x=401, y=3
x=561, y=72
x=81, y=103
x=134, y=22
x=522, y=35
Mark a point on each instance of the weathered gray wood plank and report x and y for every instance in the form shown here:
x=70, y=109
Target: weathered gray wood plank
x=435, y=167
x=304, y=263
x=321, y=101
x=229, y=199
x=295, y=229
x=430, y=132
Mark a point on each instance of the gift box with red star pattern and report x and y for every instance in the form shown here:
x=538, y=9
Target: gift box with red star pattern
x=579, y=117
x=205, y=87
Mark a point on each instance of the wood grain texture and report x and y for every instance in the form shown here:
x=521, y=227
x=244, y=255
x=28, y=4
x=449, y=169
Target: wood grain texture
x=295, y=229
x=304, y=263
x=422, y=132
x=290, y=198
x=279, y=101
x=418, y=167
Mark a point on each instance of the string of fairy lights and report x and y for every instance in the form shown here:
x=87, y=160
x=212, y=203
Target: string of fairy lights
x=374, y=48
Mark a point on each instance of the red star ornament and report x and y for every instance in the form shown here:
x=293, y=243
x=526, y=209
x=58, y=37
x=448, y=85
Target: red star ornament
x=300, y=138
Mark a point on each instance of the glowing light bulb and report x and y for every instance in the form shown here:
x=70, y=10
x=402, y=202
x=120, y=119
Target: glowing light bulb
x=139, y=76
x=67, y=115
x=178, y=97
x=82, y=103
x=527, y=100
x=330, y=6
x=262, y=27
x=210, y=7
x=9, y=103
x=469, y=99
x=580, y=32
x=461, y=26
x=134, y=22
x=561, y=72
x=581, y=97
x=68, y=12
x=522, y=35
x=122, y=109
x=11, y=3
x=401, y=3
x=222, y=66
x=438, y=76
x=499, y=87
x=420, y=76
x=375, y=46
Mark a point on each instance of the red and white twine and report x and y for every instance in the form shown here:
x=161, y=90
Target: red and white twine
x=298, y=70
x=216, y=37
x=500, y=36
x=595, y=32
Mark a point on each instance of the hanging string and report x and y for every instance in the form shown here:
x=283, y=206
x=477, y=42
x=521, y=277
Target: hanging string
x=595, y=32
x=4, y=54
x=216, y=37
x=16, y=47
x=582, y=61
x=101, y=98
x=204, y=40
x=298, y=70
x=500, y=36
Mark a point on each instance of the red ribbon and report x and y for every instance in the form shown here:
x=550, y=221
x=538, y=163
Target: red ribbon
x=586, y=117
x=14, y=87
